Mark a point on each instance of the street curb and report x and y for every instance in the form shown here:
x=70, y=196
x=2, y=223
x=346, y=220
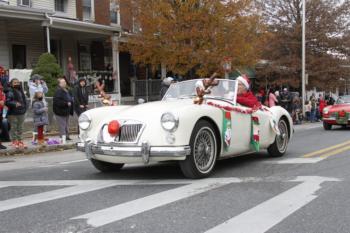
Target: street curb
x=36, y=150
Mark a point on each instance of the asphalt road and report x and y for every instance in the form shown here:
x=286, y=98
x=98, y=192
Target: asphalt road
x=307, y=190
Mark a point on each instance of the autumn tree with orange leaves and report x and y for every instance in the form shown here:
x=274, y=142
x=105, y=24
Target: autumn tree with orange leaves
x=194, y=35
x=327, y=42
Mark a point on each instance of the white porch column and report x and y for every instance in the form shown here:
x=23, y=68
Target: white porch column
x=163, y=71
x=48, y=39
x=116, y=68
x=46, y=25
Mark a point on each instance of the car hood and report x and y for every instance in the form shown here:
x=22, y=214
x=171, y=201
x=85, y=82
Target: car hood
x=339, y=107
x=154, y=109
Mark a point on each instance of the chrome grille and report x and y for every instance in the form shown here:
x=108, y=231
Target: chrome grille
x=129, y=132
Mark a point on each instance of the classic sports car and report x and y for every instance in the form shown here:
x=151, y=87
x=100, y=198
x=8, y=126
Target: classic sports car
x=176, y=129
x=337, y=114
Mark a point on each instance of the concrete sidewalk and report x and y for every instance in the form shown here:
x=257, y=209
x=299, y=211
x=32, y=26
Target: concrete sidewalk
x=33, y=149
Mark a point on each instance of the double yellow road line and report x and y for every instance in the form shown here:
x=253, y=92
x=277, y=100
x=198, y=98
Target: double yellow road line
x=329, y=151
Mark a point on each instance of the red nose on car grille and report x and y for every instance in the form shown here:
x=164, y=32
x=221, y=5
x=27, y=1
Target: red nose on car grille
x=114, y=128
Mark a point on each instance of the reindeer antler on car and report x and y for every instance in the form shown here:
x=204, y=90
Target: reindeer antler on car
x=105, y=98
x=203, y=87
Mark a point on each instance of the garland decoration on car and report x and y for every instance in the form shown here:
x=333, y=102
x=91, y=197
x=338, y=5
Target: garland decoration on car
x=226, y=129
x=255, y=129
x=232, y=109
x=255, y=132
x=342, y=117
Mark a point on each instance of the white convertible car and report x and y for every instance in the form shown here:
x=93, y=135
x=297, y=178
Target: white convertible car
x=176, y=129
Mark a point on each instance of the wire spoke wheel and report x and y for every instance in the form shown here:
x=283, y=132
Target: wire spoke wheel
x=204, y=150
x=282, y=139
x=279, y=147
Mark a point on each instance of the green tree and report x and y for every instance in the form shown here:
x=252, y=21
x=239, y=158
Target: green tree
x=48, y=67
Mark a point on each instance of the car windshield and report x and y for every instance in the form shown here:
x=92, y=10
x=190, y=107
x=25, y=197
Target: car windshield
x=345, y=99
x=226, y=89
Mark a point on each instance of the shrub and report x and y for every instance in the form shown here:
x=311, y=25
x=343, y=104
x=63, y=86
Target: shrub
x=48, y=67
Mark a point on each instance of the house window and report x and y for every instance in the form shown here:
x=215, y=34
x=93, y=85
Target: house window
x=24, y=3
x=87, y=10
x=19, y=57
x=60, y=5
x=114, y=12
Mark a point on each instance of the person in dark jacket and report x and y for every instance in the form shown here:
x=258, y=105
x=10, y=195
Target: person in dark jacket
x=286, y=100
x=17, y=107
x=62, y=108
x=81, y=97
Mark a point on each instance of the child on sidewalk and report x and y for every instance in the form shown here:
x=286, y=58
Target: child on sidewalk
x=39, y=116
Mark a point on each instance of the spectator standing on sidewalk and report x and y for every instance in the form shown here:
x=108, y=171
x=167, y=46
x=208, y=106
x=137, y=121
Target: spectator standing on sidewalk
x=37, y=84
x=3, y=108
x=272, y=98
x=17, y=107
x=81, y=97
x=62, y=108
x=40, y=118
x=296, y=109
x=165, y=85
x=286, y=100
x=322, y=105
x=4, y=78
x=313, y=102
x=308, y=110
x=329, y=99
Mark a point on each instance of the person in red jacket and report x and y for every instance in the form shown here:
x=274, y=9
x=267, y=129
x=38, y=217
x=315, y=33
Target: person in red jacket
x=2, y=108
x=322, y=104
x=244, y=96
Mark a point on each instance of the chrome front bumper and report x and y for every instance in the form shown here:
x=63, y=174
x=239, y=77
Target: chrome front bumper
x=145, y=151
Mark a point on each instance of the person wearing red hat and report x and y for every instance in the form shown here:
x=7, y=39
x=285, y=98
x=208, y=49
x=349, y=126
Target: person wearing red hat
x=244, y=96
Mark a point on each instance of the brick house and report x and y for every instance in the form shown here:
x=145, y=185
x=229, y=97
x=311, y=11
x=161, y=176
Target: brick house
x=88, y=31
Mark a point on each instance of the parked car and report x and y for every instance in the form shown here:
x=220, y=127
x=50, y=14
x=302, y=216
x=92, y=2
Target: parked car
x=337, y=114
x=176, y=129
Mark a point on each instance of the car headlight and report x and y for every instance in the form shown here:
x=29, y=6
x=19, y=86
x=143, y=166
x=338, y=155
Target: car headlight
x=84, y=121
x=169, y=122
x=325, y=110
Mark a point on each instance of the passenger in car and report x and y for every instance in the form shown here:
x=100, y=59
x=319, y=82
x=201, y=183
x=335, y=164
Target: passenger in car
x=244, y=96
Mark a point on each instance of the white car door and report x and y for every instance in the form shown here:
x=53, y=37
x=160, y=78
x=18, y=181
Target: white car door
x=240, y=133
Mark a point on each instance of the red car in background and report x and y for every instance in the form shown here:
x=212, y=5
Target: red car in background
x=337, y=114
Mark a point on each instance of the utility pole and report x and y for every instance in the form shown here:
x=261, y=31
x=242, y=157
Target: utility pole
x=303, y=75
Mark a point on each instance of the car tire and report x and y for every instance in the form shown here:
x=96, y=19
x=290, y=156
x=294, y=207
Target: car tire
x=327, y=126
x=204, y=150
x=106, y=167
x=279, y=147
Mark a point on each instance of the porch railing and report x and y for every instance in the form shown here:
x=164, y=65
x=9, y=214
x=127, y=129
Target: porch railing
x=149, y=89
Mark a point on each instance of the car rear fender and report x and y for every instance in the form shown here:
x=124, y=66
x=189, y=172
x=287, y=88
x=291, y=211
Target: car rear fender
x=280, y=113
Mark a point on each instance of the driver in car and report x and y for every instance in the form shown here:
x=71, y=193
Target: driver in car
x=244, y=96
